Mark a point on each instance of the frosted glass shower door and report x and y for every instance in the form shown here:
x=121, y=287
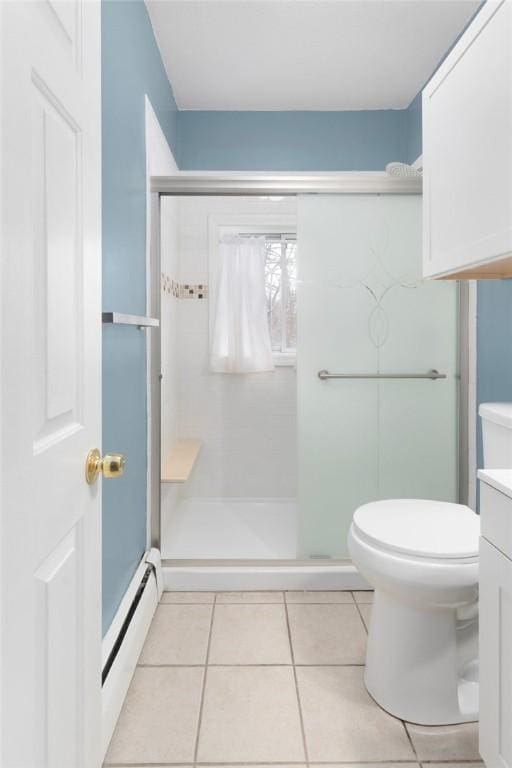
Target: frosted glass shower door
x=363, y=308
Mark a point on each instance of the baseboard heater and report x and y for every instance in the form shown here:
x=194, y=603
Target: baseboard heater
x=124, y=640
x=126, y=623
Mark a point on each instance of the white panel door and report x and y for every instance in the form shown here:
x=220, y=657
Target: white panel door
x=495, y=656
x=50, y=383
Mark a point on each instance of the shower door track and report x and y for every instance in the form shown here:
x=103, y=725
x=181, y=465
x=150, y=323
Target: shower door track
x=283, y=184
x=249, y=562
x=190, y=183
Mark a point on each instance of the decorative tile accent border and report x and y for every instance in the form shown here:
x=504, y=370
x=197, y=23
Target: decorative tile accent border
x=170, y=286
x=186, y=291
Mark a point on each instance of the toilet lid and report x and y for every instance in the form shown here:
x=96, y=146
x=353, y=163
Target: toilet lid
x=419, y=527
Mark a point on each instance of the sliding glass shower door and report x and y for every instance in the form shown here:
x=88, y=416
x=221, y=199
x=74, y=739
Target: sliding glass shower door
x=363, y=309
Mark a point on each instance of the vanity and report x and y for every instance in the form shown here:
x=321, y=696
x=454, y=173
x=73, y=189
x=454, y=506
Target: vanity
x=496, y=588
x=496, y=617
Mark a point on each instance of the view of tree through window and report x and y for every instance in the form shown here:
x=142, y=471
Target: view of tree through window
x=281, y=290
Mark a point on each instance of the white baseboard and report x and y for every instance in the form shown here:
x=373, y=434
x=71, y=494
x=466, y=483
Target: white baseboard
x=218, y=578
x=120, y=674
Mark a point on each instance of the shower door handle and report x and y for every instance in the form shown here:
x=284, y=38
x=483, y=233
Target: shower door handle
x=433, y=375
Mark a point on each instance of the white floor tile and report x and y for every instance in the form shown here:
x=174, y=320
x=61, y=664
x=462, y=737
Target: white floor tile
x=158, y=723
x=446, y=742
x=472, y=764
x=327, y=634
x=341, y=721
x=188, y=597
x=363, y=596
x=319, y=597
x=250, y=634
x=178, y=635
x=250, y=714
x=372, y=765
x=365, y=610
x=249, y=597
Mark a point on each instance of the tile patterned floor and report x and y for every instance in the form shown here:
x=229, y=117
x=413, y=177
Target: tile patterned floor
x=262, y=678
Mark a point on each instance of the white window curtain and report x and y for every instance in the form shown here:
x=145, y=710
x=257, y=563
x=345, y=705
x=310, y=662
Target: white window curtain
x=241, y=338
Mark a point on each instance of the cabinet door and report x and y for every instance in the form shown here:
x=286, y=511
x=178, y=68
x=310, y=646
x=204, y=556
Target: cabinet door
x=495, y=657
x=467, y=151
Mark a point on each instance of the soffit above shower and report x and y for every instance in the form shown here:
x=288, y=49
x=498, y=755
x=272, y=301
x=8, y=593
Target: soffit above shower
x=303, y=54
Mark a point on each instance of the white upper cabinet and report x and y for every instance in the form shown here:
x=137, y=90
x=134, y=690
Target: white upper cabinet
x=467, y=153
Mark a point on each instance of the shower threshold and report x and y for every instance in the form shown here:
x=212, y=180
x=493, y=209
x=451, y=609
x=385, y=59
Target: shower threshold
x=249, y=575
x=243, y=544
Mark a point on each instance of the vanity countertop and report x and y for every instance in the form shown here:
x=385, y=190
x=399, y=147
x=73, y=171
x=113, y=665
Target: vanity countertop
x=500, y=479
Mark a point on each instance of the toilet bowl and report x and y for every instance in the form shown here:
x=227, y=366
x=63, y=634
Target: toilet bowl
x=421, y=557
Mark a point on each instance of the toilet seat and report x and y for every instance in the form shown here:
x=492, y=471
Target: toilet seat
x=419, y=528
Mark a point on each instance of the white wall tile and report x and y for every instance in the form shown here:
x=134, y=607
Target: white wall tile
x=247, y=423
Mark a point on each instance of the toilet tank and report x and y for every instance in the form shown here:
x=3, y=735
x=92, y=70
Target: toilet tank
x=497, y=434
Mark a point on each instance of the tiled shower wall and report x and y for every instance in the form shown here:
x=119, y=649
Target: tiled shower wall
x=247, y=422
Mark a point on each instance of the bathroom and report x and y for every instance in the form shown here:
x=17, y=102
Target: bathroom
x=262, y=290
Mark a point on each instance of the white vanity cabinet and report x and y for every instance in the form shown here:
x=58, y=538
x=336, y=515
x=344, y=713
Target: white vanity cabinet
x=467, y=153
x=496, y=618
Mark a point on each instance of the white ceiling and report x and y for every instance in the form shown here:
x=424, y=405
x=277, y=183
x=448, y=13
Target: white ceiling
x=303, y=54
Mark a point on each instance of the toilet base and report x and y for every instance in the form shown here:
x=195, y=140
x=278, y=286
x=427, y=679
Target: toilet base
x=421, y=664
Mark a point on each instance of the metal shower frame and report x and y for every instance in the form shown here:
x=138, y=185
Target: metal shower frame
x=200, y=184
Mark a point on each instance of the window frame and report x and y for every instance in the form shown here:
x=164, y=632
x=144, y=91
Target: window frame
x=284, y=356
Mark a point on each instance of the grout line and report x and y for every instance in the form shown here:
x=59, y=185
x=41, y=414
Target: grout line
x=284, y=602
x=301, y=716
x=166, y=602
x=171, y=666
x=314, y=664
x=251, y=602
x=319, y=602
x=200, y=717
x=284, y=593
x=361, y=615
x=301, y=763
x=410, y=741
x=237, y=602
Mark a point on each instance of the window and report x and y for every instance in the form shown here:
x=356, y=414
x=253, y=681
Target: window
x=281, y=291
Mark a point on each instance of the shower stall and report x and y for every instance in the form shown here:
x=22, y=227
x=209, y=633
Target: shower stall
x=366, y=397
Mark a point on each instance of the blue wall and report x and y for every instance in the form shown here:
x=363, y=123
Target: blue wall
x=131, y=68
x=494, y=345
x=292, y=141
x=414, y=131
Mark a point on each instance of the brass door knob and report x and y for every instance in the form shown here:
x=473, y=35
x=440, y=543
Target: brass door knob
x=111, y=465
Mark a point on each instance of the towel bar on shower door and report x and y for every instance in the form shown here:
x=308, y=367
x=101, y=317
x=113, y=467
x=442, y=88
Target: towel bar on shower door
x=433, y=375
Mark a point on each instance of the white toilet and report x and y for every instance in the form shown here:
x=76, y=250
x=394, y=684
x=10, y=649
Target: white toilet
x=421, y=557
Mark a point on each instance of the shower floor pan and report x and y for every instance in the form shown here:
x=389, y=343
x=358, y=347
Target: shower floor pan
x=244, y=544
x=227, y=529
